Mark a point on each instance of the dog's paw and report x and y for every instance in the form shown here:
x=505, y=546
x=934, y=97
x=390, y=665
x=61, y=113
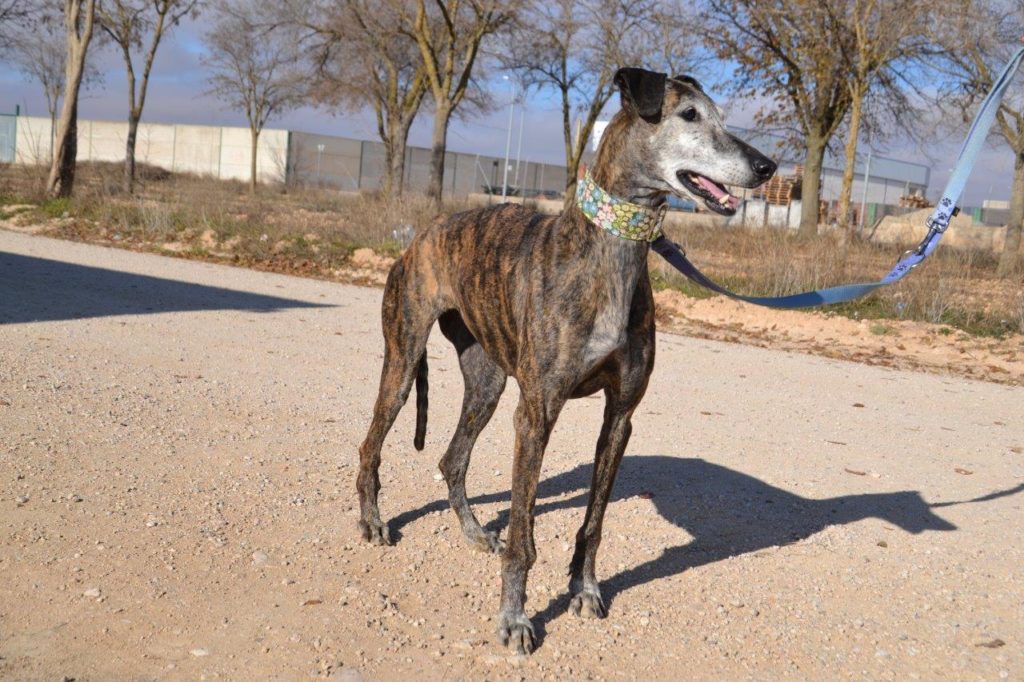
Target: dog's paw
x=375, y=532
x=588, y=604
x=489, y=542
x=516, y=632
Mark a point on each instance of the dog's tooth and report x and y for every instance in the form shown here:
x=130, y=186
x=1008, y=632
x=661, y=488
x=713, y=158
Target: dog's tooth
x=724, y=200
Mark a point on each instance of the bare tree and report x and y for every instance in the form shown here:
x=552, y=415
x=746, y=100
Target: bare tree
x=79, y=17
x=362, y=59
x=449, y=35
x=41, y=55
x=13, y=14
x=883, y=39
x=790, y=54
x=252, y=68
x=133, y=25
x=980, y=38
x=574, y=48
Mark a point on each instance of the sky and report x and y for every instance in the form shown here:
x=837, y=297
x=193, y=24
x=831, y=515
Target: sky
x=177, y=87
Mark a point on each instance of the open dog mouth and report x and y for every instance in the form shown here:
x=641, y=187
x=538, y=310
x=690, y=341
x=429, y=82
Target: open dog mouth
x=715, y=196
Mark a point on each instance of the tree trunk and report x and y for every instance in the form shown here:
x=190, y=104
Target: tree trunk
x=395, y=144
x=811, y=187
x=61, y=180
x=845, y=221
x=394, y=171
x=129, y=154
x=435, y=187
x=65, y=150
x=252, y=160
x=1010, y=257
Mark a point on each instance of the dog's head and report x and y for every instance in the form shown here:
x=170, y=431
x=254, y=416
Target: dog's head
x=685, y=148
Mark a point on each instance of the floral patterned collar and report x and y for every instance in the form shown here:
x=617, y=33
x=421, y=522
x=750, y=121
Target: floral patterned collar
x=618, y=216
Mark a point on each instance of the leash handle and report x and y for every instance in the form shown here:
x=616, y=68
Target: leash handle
x=937, y=223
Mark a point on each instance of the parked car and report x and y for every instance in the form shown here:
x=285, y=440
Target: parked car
x=680, y=204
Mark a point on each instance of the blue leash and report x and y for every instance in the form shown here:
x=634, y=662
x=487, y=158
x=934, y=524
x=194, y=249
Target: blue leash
x=937, y=224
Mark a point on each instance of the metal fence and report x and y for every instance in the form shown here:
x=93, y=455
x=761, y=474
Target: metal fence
x=8, y=137
x=359, y=165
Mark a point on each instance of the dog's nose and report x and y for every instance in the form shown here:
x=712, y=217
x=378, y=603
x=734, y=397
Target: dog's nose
x=763, y=167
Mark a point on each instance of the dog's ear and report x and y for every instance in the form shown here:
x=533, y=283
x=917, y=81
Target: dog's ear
x=689, y=80
x=642, y=91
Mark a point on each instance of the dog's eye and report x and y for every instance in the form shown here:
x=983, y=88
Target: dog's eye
x=689, y=114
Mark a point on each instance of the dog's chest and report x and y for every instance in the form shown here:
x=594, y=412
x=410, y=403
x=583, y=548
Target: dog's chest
x=608, y=333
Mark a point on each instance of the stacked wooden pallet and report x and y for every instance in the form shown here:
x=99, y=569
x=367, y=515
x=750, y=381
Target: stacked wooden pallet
x=914, y=201
x=779, y=190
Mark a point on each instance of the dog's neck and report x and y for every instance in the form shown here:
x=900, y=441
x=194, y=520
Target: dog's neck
x=617, y=170
x=620, y=166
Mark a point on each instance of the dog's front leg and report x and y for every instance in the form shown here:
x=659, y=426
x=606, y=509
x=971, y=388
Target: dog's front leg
x=533, y=421
x=583, y=585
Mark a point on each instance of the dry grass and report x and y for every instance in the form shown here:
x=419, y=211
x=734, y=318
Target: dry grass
x=312, y=231
x=954, y=287
x=320, y=228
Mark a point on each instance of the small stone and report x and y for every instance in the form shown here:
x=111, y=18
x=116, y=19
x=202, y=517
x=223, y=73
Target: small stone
x=259, y=558
x=347, y=675
x=92, y=592
x=21, y=501
x=199, y=653
x=438, y=477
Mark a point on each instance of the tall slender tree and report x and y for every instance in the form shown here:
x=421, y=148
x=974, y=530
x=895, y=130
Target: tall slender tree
x=252, y=66
x=79, y=18
x=450, y=35
x=980, y=36
x=362, y=59
x=882, y=41
x=574, y=48
x=132, y=25
x=789, y=54
x=41, y=54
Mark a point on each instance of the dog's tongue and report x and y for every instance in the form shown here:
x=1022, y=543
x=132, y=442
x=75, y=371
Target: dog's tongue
x=717, y=191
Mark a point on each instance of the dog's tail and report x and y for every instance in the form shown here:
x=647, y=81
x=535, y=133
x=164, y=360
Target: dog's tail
x=421, y=402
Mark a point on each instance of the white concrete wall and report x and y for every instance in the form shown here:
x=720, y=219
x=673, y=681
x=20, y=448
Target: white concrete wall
x=220, y=152
x=32, y=143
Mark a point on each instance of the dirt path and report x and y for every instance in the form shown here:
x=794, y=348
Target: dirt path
x=177, y=451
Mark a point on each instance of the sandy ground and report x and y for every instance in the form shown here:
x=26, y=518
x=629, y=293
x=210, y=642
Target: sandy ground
x=177, y=457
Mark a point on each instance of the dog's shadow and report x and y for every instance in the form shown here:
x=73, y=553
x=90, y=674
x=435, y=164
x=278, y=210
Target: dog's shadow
x=725, y=511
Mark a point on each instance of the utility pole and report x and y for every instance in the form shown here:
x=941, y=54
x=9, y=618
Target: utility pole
x=519, y=147
x=864, y=196
x=508, y=139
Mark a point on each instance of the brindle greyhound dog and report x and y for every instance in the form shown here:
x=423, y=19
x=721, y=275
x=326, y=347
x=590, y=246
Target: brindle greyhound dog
x=560, y=304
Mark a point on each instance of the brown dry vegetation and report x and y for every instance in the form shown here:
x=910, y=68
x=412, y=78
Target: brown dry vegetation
x=315, y=232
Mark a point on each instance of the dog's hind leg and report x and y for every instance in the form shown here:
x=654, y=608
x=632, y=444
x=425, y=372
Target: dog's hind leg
x=484, y=382
x=407, y=318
